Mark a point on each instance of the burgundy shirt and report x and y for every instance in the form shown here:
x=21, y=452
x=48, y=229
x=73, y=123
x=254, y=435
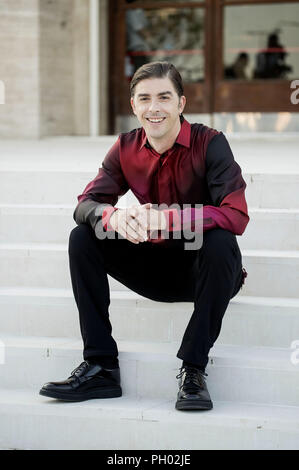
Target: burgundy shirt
x=198, y=169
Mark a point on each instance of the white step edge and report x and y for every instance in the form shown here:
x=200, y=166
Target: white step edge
x=149, y=370
x=30, y=421
x=256, y=321
x=220, y=355
x=122, y=295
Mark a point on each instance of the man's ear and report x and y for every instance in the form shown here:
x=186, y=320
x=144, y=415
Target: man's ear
x=182, y=103
x=132, y=105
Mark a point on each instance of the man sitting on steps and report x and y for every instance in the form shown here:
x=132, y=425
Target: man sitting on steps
x=167, y=161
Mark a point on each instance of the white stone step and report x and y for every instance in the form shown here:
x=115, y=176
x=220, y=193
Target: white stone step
x=45, y=187
x=63, y=187
x=276, y=191
x=248, y=321
x=30, y=421
x=270, y=273
x=56, y=170
x=54, y=153
x=275, y=229
x=38, y=265
x=149, y=369
x=271, y=229
x=42, y=223
x=36, y=223
x=255, y=151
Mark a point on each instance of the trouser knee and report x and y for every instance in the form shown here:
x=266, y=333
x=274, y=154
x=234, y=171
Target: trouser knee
x=79, y=238
x=220, y=243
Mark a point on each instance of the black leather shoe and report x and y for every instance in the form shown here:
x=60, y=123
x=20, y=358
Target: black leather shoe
x=85, y=382
x=193, y=393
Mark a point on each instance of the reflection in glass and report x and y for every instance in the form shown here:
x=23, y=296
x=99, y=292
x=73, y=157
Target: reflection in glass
x=271, y=62
x=238, y=68
x=171, y=34
x=265, y=46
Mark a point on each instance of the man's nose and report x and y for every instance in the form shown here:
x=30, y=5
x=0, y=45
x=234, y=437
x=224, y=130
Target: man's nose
x=154, y=106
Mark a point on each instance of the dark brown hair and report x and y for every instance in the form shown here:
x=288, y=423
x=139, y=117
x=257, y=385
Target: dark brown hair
x=158, y=70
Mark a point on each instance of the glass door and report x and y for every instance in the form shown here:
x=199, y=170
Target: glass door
x=233, y=55
x=147, y=31
x=257, y=50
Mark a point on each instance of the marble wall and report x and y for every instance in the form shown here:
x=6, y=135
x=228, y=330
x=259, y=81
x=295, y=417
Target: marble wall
x=44, y=64
x=19, y=68
x=56, y=67
x=81, y=66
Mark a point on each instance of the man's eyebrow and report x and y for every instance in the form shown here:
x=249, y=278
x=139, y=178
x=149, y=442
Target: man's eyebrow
x=165, y=93
x=162, y=93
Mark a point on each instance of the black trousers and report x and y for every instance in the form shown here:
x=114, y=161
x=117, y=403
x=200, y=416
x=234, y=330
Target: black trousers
x=209, y=277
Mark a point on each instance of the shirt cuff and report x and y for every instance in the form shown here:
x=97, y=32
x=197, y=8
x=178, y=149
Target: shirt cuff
x=107, y=213
x=173, y=220
x=209, y=222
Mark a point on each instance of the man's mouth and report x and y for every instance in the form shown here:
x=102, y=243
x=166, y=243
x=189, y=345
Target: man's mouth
x=155, y=120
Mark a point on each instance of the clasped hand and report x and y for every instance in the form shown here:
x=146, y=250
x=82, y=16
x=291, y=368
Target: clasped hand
x=137, y=223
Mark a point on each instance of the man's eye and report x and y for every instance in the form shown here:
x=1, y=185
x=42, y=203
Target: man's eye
x=165, y=98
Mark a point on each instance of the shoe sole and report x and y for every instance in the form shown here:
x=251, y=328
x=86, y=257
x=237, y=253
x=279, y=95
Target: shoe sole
x=105, y=393
x=192, y=405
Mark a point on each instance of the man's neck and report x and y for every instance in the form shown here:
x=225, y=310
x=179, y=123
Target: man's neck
x=162, y=145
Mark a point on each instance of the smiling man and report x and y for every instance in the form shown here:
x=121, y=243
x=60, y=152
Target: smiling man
x=165, y=161
x=158, y=106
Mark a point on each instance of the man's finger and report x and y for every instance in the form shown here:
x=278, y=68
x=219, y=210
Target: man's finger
x=141, y=215
x=124, y=233
x=132, y=233
x=138, y=226
x=136, y=230
x=142, y=220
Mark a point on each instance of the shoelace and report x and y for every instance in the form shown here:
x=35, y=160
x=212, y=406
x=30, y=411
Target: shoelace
x=79, y=369
x=193, y=378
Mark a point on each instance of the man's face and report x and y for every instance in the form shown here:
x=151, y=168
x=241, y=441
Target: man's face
x=157, y=106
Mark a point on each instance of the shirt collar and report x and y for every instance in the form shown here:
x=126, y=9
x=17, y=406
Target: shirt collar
x=183, y=137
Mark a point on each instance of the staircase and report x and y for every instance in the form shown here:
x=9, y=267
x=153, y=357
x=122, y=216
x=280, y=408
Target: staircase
x=252, y=380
